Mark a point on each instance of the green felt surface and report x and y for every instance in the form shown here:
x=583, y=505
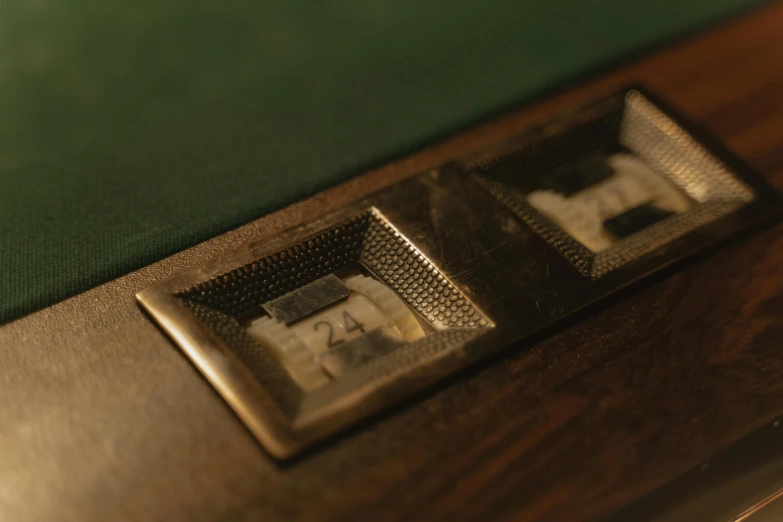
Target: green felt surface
x=132, y=130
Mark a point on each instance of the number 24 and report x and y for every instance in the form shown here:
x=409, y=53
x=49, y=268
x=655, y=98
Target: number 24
x=351, y=324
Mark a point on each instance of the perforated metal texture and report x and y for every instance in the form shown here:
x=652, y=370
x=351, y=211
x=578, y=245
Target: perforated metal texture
x=658, y=140
x=398, y=264
x=367, y=239
x=576, y=253
x=246, y=287
x=252, y=355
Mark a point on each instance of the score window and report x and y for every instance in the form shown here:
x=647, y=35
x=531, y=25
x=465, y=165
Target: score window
x=604, y=199
x=610, y=183
x=317, y=331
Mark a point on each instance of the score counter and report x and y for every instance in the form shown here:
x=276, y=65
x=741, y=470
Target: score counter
x=332, y=315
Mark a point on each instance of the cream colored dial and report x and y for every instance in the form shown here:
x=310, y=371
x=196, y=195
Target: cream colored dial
x=583, y=214
x=369, y=306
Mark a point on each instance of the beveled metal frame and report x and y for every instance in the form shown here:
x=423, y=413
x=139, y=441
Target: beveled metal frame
x=649, y=134
x=201, y=314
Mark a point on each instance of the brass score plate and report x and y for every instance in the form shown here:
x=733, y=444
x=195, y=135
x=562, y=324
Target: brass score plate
x=483, y=251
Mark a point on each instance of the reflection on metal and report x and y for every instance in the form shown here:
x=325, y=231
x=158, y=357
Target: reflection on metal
x=307, y=300
x=469, y=265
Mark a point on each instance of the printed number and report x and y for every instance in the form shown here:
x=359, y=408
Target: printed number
x=350, y=322
x=331, y=342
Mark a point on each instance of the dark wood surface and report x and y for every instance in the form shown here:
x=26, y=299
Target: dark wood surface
x=114, y=424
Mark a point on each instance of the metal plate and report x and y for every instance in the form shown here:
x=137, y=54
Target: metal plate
x=480, y=265
x=307, y=299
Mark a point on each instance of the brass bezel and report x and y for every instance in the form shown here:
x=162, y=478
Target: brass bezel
x=201, y=315
x=648, y=133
